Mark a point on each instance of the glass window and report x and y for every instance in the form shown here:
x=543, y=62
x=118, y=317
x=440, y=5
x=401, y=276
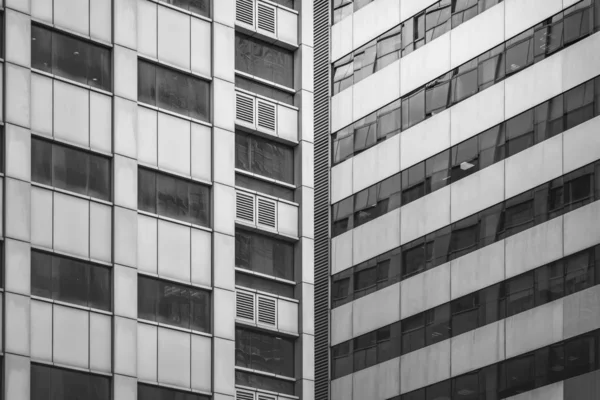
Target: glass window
x=264, y=284
x=549, y=283
x=519, y=294
x=579, y=104
x=264, y=254
x=264, y=157
x=265, y=187
x=264, y=352
x=70, y=57
x=173, y=90
x=57, y=383
x=413, y=333
x=341, y=359
x=264, y=90
x=201, y=7
x=413, y=109
x=263, y=382
x=519, y=55
x=147, y=392
x=581, y=271
x=173, y=304
x=264, y=60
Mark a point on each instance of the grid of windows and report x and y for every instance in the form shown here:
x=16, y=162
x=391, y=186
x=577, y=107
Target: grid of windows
x=70, y=169
x=264, y=352
x=264, y=157
x=264, y=254
x=506, y=139
x=491, y=67
x=70, y=57
x=264, y=60
x=57, y=383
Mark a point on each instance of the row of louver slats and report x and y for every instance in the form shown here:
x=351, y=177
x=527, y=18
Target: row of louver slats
x=256, y=113
x=256, y=210
x=256, y=308
x=248, y=395
x=266, y=15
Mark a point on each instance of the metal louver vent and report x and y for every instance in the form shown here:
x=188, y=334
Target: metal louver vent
x=265, y=17
x=244, y=207
x=266, y=213
x=262, y=396
x=266, y=310
x=244, y=305
x=244, y=108
x=266, y=115
x=244, y=395
x=244, y=11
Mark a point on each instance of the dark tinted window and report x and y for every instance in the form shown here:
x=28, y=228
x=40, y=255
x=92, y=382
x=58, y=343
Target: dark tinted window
x=147, y=392
x=173, y=197
x=264, y=90
x=264, y=60
x=264, y=157
x=265, y=187
x=264, y=254
x=173, y=91
x=70, y=169
x=264, y=284
x=201, y=7
x=70, y=57
x=263, y=382
x=70, y=280
x=57, y=383
x=264, y=352
x=173, y=304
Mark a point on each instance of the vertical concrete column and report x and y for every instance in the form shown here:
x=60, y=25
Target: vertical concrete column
x=125, y=199
x=305, y=196
x=17, y=197
x=223, y=112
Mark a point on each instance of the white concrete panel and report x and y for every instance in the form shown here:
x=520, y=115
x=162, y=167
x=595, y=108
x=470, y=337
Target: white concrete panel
x=174, y=357
x=125, y=346
x=224, y=104
x=125, y=72
x=224, y=165
x=341, y=109
x=477, y=35
x=17, y=376
x=173, y=37
x=307, y=116
x=477, y=192
x=581, y=145
x=147, y=36
x=368, y=314
x=125, y=23
x=534, y=85
x=477, y=270
x=425, y=64
x=523, y=14
x=535, y=328
x=373, y=20
x=125, y=182
x=18, y=266
x=287, y=123
x=100, y=342
x=425, y=215
x=147, y=146
x=201, y=45
x=308, y=350
x=18, y=209
x=41, y=104
x=18, y=152
x=125, y=291
x=100, y=121
x=425, y=366
x=416, y=293
x=41, y=217
x=376, y=237
x=17, y=319
x=147, y=354
x=224, y=258
x=377, y=90
x=341, y=38
x=581, y=312
x=534, y=247
x=287, y=316
x=341, y=180
x=425, y=140
x=201, y=244
x=477, y=348
x=554, y=391
x=201, y=152
x=41, y=331
x=341, y=324
x=147, y=244
x=306, y=24
x=534, y=166
x=201, y=374
x=174, y=251
x=307, y=162
x=307, y=255
x=341, y=257
x=409, y=8
x=71, y=113
x=224, y=12
x=18, y=90
x=287, y=26
x=18, y=38
x=101, y=22
x=287, y=219
x=307, y=217
x=582, y=228
x=576, y=71
x=71, y=224
x=224, y=307
x=376, y=164
x=223, y=57
x=42, y=10
x=126, y=127
x=307, y=311
x=100, y=232
x=341, y=388
x=477, y=113
x=378, y=382
x=73, y=15
x=125, y=236
x=223, y=366
x=125, y=387
x=70, y=336
x=173, y=144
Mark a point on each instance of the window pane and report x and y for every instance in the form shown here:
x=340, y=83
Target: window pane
x=519, y=56
x=199, y=204
x=465, y=85
x=98, y=67
x=519, y=294
x=147, y=298
x=146, y=190
x=70, y=281
x=69, y=57
x=265, y=187
x=199, y=99
x=41, y=48
x=200, y=301
x=146, y=83
x=264, y=60
x=99, y=177
x=172, y=193
x=70, y=169
x=173, y=304
x=100, y=288
x=41, y=274
x=173, y=91
x=41, y=161
x=264, y=254
x=264, y=284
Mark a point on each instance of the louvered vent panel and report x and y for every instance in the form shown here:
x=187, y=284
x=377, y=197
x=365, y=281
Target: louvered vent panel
x=244, y=305
x=262, y=396
x=244, y=11
x=266, y=115
x=266, y=310
x=265, y=17
x=244, y=395
x=266, y=213
x=244, y=108
x=244, y=207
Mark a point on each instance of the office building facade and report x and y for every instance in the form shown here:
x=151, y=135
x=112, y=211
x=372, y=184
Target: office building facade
x=157, y=195
x=457, y=202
